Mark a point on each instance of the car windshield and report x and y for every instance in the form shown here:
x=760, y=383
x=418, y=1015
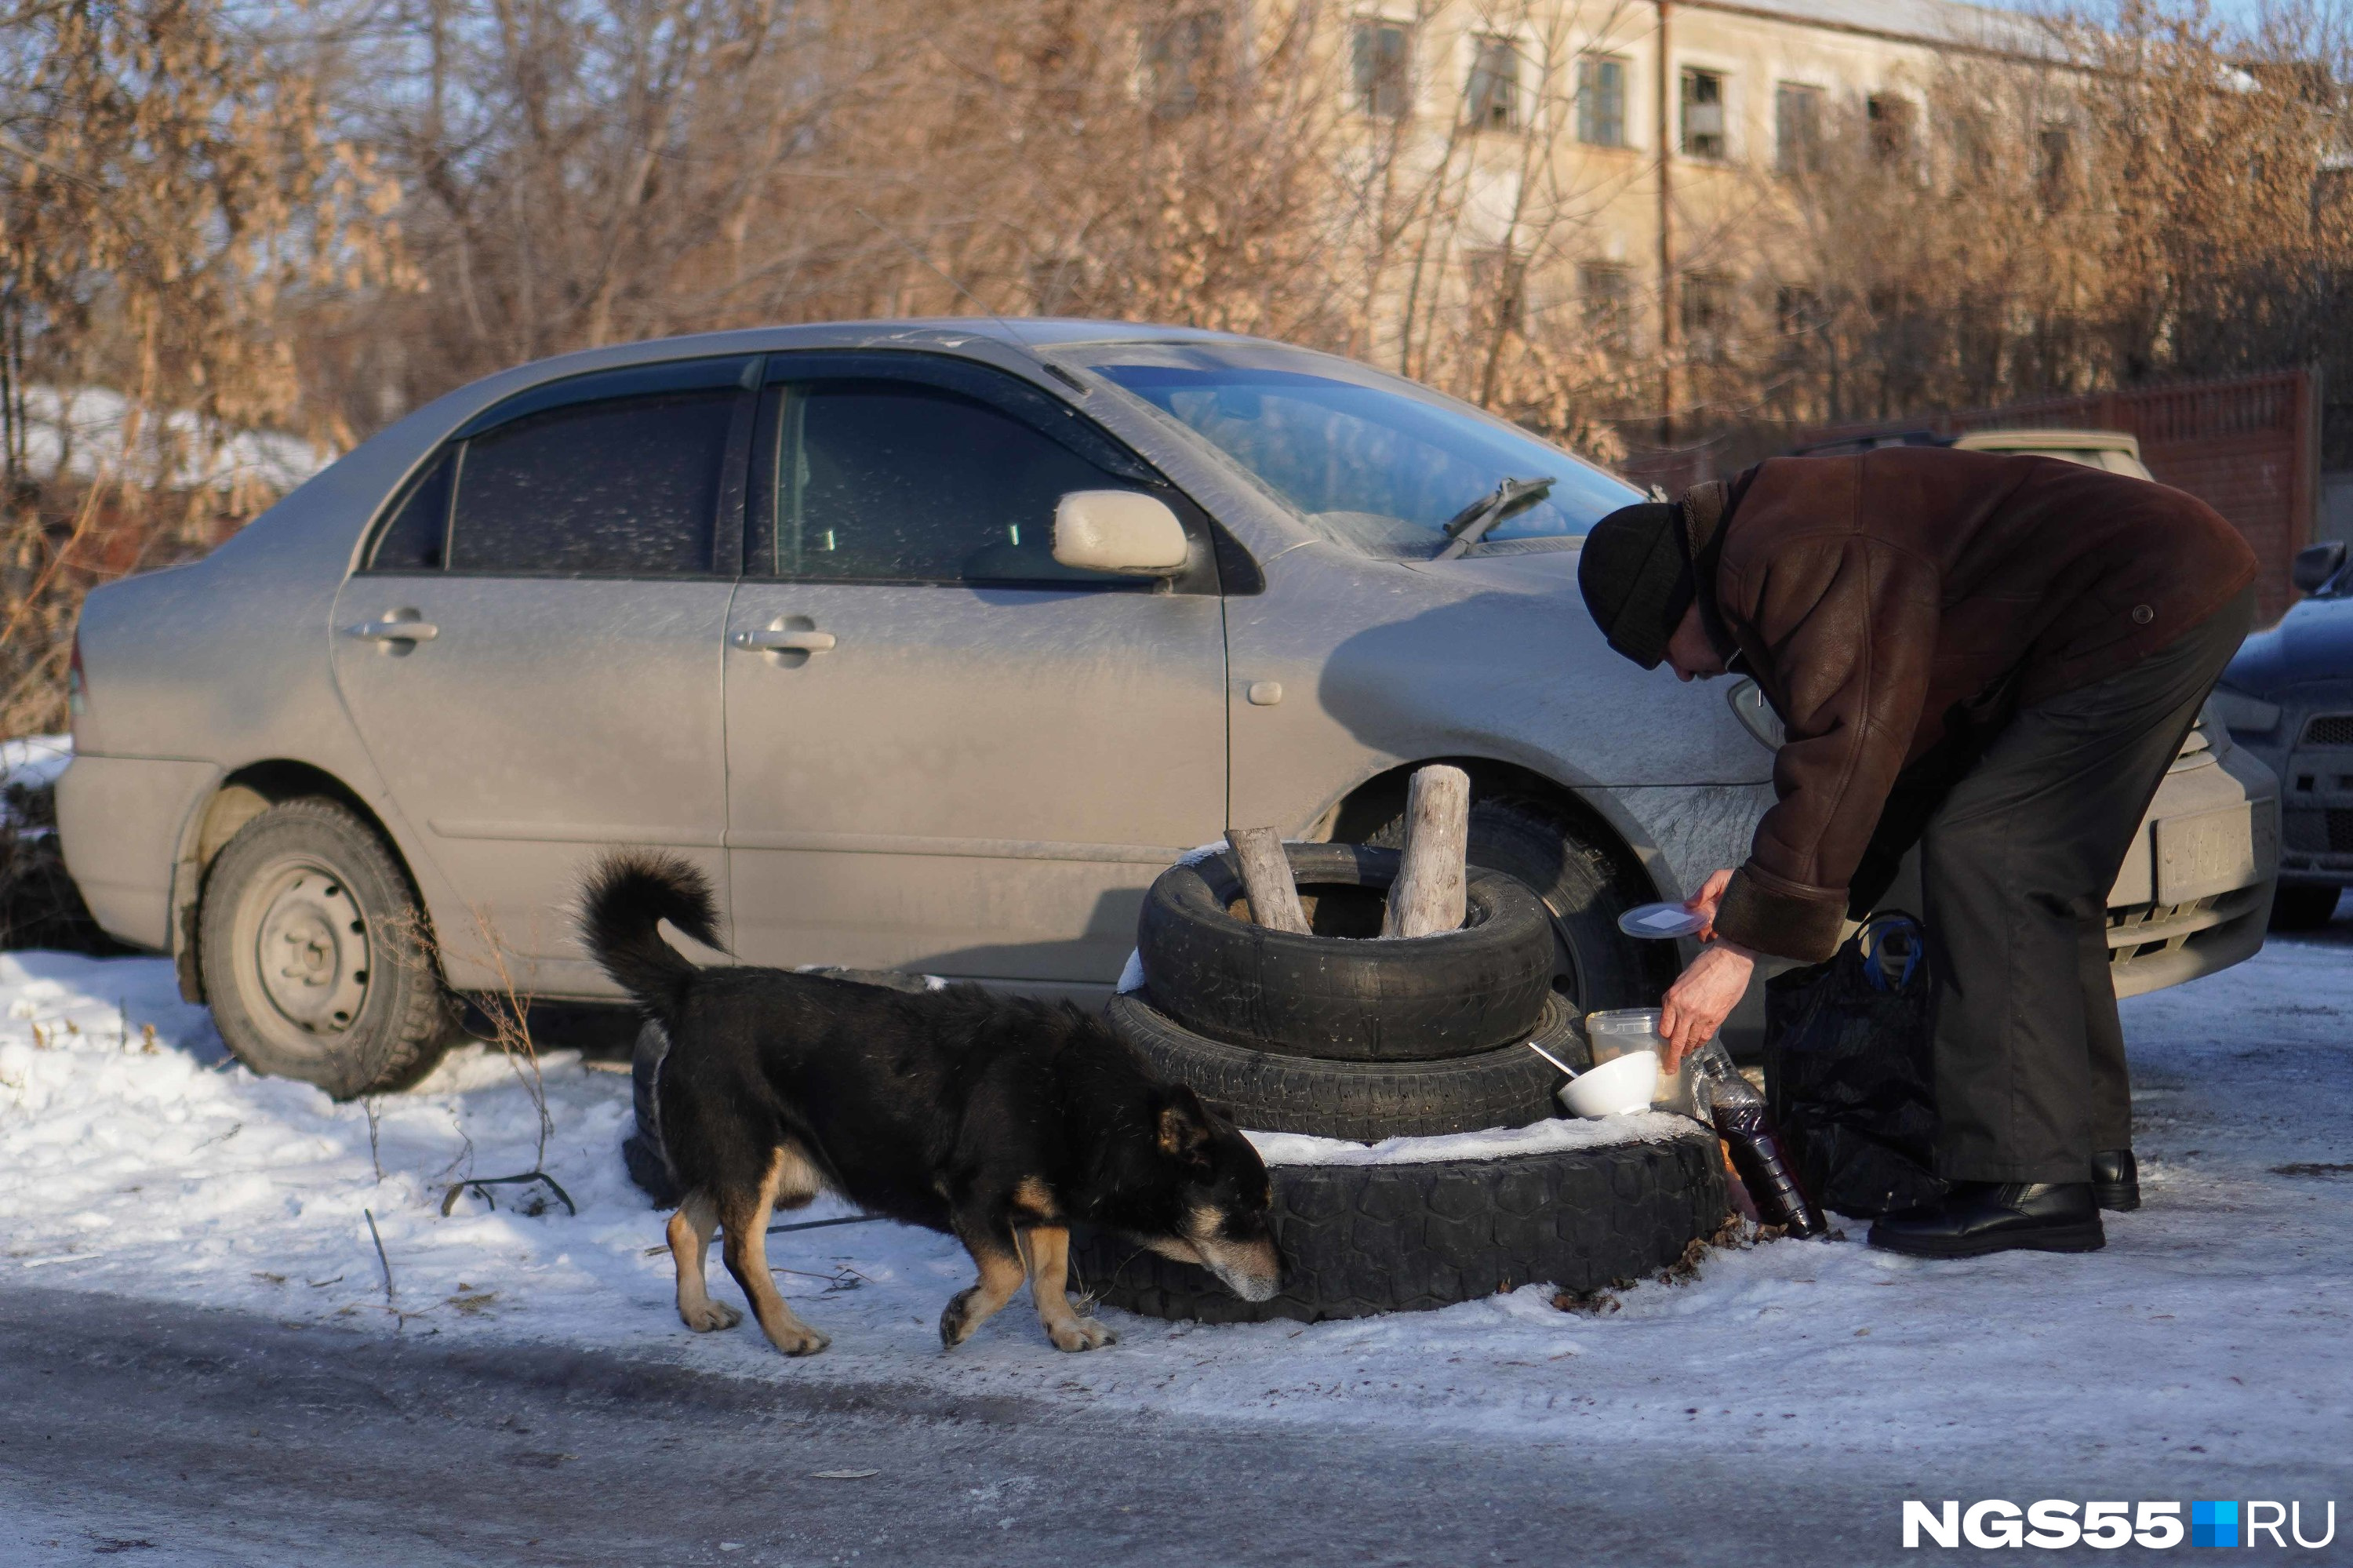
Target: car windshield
x=1372, y=461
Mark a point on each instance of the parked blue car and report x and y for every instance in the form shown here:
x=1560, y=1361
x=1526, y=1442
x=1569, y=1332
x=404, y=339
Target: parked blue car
x=2288, y=698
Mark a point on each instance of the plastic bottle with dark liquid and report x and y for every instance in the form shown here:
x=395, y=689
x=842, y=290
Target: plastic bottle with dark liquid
x=1746, y=1128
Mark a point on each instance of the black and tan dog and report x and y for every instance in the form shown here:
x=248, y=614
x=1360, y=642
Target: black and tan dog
x=998, y=1121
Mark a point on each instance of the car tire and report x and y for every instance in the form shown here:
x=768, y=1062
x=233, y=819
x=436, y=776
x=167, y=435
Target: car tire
x=1360, y=1239
x=1337, y=997
x=1594, y=964
x=1366, y=1101
x=642, y=1150
x=2303, y=907
x=316, y=956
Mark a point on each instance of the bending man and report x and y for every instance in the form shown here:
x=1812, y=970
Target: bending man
x=1997, y=657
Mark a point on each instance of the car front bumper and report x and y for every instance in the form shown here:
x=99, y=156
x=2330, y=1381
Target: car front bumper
x=2311, y=749
x=2195, y=892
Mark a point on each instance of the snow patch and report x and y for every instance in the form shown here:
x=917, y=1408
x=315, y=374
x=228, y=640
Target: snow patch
x=34, y=761
x=2210, y=1332
x=1556, y=1137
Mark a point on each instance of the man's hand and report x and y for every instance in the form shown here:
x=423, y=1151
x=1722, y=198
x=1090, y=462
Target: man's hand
x=1703, y=997
x=1707, y=899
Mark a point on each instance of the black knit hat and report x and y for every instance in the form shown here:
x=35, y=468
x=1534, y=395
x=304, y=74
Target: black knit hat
x=1636, y=575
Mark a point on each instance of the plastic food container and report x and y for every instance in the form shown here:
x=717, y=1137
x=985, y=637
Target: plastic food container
x=1615, y=1088
x=1621, y=1031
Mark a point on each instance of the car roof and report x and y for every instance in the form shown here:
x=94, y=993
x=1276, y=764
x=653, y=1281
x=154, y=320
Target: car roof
x=1021, y=335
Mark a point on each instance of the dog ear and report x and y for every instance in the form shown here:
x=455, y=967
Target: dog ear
x=1184, y=1124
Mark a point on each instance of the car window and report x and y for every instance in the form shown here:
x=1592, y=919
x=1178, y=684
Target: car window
x=418, y=534
x=1373, y=462
x=619, y=487
x=876, y=478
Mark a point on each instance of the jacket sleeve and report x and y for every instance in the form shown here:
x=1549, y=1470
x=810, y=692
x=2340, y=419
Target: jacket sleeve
x=1849, y=627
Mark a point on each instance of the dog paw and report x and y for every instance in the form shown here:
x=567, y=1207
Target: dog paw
x=955, y=1322
x=801, y=1341
x=1080, y=1334
x=709, y=1315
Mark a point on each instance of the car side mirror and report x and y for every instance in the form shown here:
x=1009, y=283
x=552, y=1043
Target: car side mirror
x=1119, y=531
x=2316, y=564
x=1756, y=714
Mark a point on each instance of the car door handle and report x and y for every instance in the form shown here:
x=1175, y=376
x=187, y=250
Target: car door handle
x=774, y=641
x=394, y=630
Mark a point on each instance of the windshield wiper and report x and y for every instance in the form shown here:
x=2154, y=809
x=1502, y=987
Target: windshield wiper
x=1469, y=525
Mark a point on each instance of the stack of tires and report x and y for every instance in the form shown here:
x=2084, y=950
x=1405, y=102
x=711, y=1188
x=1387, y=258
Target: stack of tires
x=1335, y=1035
x=1338, y=1036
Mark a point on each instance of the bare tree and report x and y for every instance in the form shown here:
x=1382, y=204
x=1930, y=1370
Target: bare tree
x=167, y=189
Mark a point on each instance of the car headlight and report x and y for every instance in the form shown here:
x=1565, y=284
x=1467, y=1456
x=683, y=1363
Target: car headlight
x=2243, y=715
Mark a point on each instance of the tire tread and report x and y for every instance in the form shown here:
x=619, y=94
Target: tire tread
x=1361, y=1239
x=424, y=1017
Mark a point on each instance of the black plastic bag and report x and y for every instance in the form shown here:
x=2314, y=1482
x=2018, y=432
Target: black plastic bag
x=1848, y=1071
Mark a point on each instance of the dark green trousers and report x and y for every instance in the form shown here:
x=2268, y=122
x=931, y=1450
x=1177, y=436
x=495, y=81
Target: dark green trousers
x=2016, y=863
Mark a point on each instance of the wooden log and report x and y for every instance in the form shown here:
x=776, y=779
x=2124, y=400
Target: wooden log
x=1428, y=897
x=1266, y=877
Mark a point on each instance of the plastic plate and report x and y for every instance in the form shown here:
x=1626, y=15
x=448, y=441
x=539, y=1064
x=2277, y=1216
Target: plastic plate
x=1660, y=920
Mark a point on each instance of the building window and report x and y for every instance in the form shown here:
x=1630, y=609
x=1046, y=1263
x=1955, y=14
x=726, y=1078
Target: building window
x=2332, y=200
x=1180, y=61
x=2054, y=168
x=1702, y=118
x=1380, y=61
x=1601, y=101
x=1891, y=120
x=1499, y=290
x=1796, y=129
x=1706, y=313
x=1973, y=147
x=1606, y=291
x=1798, y=315
x=1495, y=95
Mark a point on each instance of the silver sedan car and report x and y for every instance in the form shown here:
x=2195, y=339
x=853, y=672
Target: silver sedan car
x=931, y=644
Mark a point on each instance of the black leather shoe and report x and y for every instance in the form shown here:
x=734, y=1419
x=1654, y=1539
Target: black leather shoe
x=1979, y=1217
x=2116, y=1180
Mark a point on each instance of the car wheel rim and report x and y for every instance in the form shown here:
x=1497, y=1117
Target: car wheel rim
x=306, y=949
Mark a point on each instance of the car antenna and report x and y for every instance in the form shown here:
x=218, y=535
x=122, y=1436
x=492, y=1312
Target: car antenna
x=901, y=240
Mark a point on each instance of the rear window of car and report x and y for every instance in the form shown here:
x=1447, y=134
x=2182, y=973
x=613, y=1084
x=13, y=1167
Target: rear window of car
x=628, y=487
x=625, y=485
x=417, y=537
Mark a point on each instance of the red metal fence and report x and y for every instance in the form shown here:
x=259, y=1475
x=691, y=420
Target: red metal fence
x=2249, y=447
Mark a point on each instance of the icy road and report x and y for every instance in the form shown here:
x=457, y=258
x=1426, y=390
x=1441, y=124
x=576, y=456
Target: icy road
x=200, y=1361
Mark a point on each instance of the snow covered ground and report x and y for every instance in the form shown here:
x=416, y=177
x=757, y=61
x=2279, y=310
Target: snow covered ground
x=136, y=1159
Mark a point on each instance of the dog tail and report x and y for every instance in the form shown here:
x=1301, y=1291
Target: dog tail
x=623, y=898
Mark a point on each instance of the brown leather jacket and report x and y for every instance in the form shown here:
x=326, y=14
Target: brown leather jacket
x=1881, y=599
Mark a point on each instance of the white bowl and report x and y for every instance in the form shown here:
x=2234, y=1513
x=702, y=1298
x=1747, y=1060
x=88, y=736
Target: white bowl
x=1615, y=1088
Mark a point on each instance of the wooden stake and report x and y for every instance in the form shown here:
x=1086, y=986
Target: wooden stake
x=1429, y=896
x=1266, y=877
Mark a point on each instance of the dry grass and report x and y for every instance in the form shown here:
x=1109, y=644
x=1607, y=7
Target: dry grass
x=39, y=905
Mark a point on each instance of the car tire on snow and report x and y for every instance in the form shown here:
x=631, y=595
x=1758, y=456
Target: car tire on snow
x=1336, y=997
x=1360, y=1239
x=2303, y=907
x=314, y=955
x=641, y=1151
x=1364, y=1101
